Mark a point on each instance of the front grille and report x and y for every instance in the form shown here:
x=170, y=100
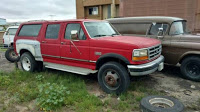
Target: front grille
x=154, y=51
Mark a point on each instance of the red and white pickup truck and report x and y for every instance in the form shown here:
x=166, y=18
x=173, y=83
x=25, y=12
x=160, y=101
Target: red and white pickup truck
x=85, y=47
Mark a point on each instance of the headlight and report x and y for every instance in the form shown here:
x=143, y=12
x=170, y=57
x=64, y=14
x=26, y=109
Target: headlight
x=140, y=54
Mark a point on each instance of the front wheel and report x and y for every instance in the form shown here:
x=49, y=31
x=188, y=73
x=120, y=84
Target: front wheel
x=190, y=68
x=28, y=62
x=113, y=78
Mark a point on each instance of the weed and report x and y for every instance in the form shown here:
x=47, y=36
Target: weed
x=39, y=77
x=3, y=49
x=4, y=80
x=52, y=96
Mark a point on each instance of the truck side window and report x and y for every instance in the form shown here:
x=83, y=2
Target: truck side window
x=155, y=28
x=52, y=31
x=74, y=26
x=30, y=30
x=11, y=31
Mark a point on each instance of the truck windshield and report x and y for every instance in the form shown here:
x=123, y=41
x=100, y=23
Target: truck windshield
x=178, y=28
x=100, y=29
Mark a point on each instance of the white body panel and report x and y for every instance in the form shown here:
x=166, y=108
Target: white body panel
x=33, y=46
x=8, y=39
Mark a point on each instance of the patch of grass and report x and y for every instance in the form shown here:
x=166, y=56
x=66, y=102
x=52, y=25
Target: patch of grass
x=51, y=96
x=2, y=49
x=134, y=95
x=24, y=87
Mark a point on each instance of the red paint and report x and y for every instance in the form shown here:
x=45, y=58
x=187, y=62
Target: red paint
x=122, y=45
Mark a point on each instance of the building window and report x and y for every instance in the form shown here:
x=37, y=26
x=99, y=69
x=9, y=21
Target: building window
x=93, y=11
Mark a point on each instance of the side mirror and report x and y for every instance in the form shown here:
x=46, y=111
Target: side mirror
x=74, y=35
x=160, y=33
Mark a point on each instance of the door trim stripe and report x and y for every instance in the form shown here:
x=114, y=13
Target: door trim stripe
x=70, y=58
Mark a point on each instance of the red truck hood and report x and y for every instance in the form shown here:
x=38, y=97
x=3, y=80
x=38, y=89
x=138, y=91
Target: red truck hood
x=125, y=42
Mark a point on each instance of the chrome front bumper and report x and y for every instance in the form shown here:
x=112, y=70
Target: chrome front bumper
x=148, y=68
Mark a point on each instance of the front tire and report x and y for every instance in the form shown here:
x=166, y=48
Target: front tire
x=11, y=55
x=113, y=78
x=190, y=68
x=28, y=62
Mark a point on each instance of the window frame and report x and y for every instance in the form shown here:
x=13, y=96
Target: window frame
x=9, y=30
x=94, y=7
x=173, y=23
x=58, y=31
x=81, y=27
x=168, y=26
x=18, y=32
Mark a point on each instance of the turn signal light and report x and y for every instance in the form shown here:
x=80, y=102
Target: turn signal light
x=140, y=58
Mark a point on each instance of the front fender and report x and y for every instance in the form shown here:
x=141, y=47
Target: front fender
x=112, y=56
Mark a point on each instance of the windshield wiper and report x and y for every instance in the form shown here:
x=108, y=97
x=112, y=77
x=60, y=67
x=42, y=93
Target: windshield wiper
x=99, y=35
x=114, y=34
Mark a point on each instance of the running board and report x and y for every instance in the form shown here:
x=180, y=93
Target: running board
x=72, y=69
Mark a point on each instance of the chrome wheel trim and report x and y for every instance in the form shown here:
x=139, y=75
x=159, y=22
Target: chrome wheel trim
x=26, y=63
x=111, y=79
x=161, y=102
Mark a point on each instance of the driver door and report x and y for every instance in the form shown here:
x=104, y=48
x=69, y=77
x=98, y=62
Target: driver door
x=75, y=52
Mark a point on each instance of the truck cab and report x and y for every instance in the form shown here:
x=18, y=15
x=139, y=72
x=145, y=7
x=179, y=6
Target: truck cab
x=87, y=47
x=9, y=35
x=179, y=46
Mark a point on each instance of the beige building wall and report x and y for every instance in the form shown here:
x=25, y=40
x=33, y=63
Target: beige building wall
x=105, y=11
x=197, y=19
x=82, y=9
x=1, y=37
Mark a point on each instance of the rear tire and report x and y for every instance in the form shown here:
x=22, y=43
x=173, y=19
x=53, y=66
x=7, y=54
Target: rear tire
x=11, y=55
x=113, y=78
x=190, y=68
x=28, y=62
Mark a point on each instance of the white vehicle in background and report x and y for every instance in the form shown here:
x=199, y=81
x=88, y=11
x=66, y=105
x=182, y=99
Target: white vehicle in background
x=8, y=39
x=9, y=35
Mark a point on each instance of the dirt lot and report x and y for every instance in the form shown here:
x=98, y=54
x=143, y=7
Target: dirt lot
x=168, y=81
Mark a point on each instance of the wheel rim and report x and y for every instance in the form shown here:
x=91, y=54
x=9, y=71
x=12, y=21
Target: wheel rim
x=13, y=55
x=161, y=102
x=111, y=79
x=26, y=64
x=193, y=69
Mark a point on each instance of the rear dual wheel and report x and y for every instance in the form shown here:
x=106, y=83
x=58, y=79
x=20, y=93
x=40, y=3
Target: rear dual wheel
x=113, y=78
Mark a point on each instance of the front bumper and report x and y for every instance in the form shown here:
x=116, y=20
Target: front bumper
x=145, y=69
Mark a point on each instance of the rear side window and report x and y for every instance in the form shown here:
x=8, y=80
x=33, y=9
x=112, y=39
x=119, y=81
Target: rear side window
x=52, y=31
x=30, y=30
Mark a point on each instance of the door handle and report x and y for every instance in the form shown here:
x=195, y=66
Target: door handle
x=63, y=43
x=44, y=42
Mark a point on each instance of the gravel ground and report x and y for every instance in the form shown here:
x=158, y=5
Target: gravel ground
x=168, y=81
